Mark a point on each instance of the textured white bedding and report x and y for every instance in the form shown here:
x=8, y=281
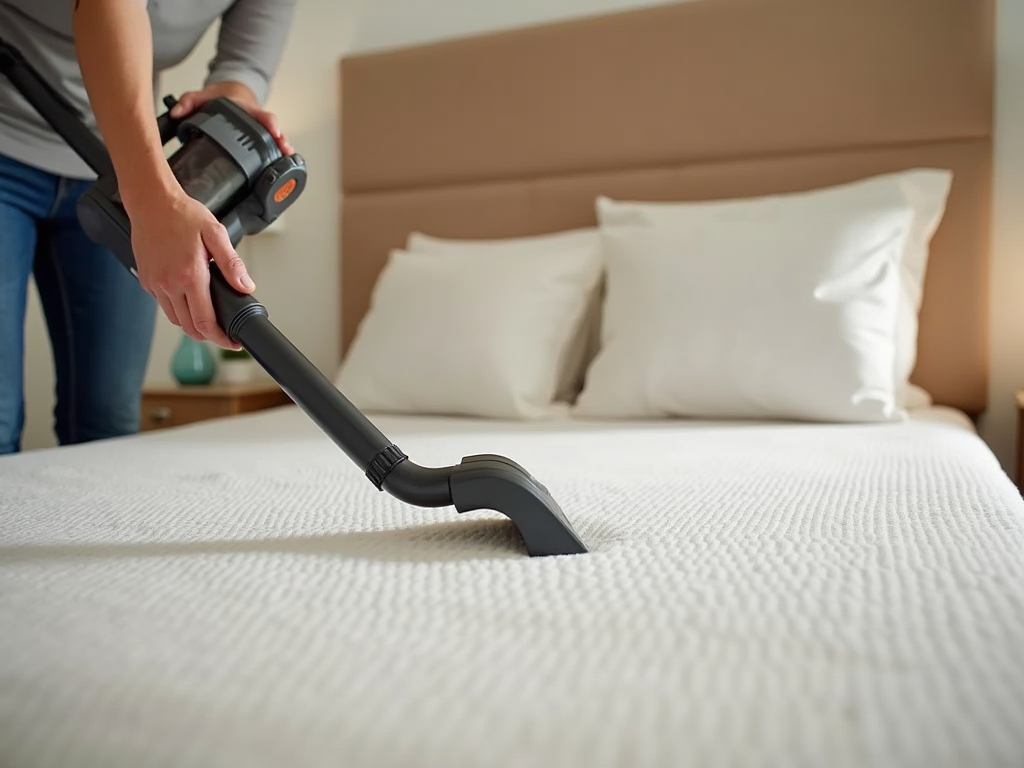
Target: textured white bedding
x=236, y=593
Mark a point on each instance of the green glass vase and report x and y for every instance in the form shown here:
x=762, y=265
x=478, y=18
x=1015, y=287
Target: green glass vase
x=193, y=363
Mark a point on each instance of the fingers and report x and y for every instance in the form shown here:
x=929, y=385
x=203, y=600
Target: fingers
x=192, y=100
x=165, y=304
x=218, y=245
x=185, y=299
x=181, y=308
x=188, y=103
x=174, y=241
x=192, y=310
x=163, y=298
x=203, y=318
x=270, y=122
x=217, y=242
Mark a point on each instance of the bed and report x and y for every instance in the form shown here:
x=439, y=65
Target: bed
x=767, y=586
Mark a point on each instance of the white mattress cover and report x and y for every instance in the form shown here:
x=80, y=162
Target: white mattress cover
x=236, y=593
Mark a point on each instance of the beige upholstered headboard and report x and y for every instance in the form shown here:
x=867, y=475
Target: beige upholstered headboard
x=515, y=133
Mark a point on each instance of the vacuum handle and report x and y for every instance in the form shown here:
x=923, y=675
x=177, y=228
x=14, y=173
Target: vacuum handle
x=167, y=125
x=232, y=307
x=54, y=108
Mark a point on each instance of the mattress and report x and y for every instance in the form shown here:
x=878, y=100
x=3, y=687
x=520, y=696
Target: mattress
x=236, y=593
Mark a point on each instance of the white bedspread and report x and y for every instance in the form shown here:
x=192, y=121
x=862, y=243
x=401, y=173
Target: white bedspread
x=238, y=594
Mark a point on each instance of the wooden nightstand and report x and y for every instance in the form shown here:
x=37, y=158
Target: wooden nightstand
x=172, y=405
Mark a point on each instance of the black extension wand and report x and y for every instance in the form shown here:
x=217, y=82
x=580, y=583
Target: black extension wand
x=231, y=164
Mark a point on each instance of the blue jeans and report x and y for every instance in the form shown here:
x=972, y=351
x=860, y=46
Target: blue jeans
x=100, y=320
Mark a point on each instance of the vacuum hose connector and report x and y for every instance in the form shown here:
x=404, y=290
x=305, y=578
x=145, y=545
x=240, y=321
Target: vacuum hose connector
x=232, y=308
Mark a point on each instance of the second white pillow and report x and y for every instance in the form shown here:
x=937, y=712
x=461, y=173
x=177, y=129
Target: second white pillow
x=923, y=190
x=752, y=320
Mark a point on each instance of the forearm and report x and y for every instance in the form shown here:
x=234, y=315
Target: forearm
x=250, y=43
x=238, y=92
x=113, y=41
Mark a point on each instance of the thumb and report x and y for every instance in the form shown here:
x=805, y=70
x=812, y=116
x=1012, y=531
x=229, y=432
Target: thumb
x=187, y=103
x=217, y=242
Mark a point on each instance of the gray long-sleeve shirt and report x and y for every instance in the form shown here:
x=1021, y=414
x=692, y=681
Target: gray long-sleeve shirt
x=249, y=45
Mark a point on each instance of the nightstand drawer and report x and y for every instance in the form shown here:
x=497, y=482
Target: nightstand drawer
x=159, y=412
x=173, y=406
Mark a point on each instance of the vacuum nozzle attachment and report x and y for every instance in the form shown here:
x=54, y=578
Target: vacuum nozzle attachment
x=479, y=482
x=488, y=481
x=230, y=164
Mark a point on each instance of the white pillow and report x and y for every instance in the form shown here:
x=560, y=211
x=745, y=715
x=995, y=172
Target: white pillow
x=455, y=334
x=586, y=336
x=925, y=190
x=756, y=319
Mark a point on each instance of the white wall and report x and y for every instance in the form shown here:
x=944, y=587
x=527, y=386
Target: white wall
x=999, y=427
x=297, y=271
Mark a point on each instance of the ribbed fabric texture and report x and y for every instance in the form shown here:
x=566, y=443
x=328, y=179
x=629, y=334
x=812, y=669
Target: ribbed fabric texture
x=239, y=594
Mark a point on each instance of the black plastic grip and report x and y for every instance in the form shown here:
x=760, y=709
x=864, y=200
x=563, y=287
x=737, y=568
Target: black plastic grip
x=232, y=307
x=383, y=463
x=167, y=125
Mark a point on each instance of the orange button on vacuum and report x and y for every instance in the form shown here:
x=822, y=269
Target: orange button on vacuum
x=284, y=191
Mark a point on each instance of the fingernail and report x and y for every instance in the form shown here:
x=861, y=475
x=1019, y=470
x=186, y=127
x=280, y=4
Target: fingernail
x=247, y=282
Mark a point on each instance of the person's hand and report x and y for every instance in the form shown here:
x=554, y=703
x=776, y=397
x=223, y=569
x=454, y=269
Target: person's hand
x=174, y=237
x=191, y=100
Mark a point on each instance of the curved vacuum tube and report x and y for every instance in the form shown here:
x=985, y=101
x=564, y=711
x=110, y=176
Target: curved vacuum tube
x=230, y=163
x=479, y=482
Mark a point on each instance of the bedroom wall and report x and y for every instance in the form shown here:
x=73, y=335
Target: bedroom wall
x=999, y=427
x=296, y=269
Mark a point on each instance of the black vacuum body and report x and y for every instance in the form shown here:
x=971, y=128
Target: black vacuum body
x=231, y=164
x=227, y=161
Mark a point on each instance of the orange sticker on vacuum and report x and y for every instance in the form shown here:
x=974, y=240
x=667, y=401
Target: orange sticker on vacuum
x=284, y=191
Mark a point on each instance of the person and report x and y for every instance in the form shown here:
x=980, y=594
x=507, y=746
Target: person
x=105, y=57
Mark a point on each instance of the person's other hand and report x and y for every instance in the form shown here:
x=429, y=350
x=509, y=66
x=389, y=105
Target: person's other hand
x=174, y=237
x=243, y=97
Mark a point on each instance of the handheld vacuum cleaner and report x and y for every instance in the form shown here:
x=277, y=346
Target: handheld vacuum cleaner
x=232, y=165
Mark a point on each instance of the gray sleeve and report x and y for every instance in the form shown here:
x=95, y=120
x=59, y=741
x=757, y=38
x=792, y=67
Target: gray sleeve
x=250, y=42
